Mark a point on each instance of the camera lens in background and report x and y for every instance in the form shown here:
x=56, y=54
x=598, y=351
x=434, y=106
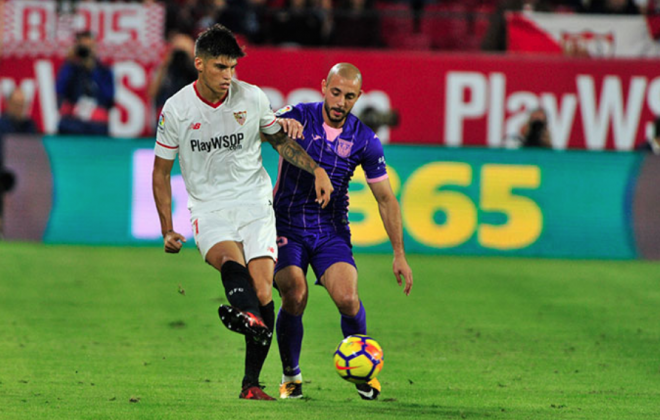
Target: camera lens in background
x=83, y=52
x=375, y=119
x=534, y=134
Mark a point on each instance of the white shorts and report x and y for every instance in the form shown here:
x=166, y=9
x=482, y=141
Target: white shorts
x=253, y=226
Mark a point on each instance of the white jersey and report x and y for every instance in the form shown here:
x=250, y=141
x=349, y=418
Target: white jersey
x=218, y=145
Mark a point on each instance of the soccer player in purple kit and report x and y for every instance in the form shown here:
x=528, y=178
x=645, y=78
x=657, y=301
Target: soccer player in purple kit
x=308, y=235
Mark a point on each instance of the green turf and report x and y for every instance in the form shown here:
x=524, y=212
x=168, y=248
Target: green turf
x=104, y=333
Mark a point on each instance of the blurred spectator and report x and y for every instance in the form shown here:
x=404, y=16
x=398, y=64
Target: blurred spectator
x=417, y=9
x=300, y=23
x=356, y=24
x=209, y=12
x=652, y=144
x=496, y=38
x=648, y=7
x=534, y=133
x=620, y=7
x=85, y=90
x=14, y=119
x=324, y=10
x=176, y=71
x=244, y=17
x=182, y=16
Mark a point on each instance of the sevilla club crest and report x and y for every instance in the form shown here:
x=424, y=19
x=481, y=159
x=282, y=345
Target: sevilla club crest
x=240, y=117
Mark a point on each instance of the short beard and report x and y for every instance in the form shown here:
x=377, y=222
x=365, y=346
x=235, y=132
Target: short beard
x=327, y=112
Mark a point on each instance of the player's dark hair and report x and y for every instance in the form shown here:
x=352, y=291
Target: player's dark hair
x=218, y=41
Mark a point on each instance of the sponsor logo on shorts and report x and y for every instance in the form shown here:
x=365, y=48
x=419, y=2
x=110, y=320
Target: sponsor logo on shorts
x=281, y=241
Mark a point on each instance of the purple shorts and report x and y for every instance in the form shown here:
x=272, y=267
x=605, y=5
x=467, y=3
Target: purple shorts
x=302, y=249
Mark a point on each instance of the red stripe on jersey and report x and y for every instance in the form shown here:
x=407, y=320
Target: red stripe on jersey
x=266, y=126
x=211, y=104
x=166, y=146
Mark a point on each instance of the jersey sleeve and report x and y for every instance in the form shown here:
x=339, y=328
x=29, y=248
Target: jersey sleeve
x=167, y=140
x=373, y=162
x=267, y=119
x=290, y=111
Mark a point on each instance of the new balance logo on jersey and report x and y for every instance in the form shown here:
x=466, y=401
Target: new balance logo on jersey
x=230, y=142
x=195, y=126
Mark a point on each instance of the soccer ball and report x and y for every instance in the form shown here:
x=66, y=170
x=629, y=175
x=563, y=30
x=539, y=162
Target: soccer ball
x=358, y=358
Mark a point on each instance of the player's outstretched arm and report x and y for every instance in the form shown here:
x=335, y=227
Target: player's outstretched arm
x=162, y=190
x=390, y=213
x=291, y=151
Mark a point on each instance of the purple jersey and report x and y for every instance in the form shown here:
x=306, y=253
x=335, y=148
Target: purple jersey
x=294, y=192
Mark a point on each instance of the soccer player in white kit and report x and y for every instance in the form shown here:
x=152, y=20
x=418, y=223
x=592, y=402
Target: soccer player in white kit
x=214, y=126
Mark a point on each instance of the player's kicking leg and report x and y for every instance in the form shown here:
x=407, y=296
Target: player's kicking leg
x=245, y=323
x=261, y=271
x=245, y=314
x=292, y=284
x=242, y=315
x=227, y=241
x=340, y=280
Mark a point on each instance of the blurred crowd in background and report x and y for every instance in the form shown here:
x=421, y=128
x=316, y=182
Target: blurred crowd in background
x=85, y=87
x=406, y=24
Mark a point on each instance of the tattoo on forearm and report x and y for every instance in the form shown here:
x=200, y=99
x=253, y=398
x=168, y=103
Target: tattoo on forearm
x=292, y=152
x=277, y=139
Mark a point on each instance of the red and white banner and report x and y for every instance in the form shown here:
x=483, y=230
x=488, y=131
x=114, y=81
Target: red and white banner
x=456, y=100
x=478, y=99
x=122, y=30
x=132, y=116
x=583, y=35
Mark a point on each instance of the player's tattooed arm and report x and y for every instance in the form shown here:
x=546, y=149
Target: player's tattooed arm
x=291, y=151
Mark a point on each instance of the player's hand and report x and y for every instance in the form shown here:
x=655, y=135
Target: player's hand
x=323, y=187
x=173, y=242
x=402, y=269
x=291, y=127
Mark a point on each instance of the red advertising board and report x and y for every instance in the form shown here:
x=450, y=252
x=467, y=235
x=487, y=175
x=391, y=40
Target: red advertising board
x=476, y=99
x=471, y=99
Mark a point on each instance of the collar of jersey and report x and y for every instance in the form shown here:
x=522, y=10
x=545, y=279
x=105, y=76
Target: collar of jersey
x=211, y=104
x=348, y=124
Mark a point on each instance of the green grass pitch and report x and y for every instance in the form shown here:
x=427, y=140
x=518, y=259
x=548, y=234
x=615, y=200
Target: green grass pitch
x=107, y=333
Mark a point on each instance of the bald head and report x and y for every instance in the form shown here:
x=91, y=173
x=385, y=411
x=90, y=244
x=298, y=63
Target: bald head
x=16, y=104
x=340, y=90
x=347, y=71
